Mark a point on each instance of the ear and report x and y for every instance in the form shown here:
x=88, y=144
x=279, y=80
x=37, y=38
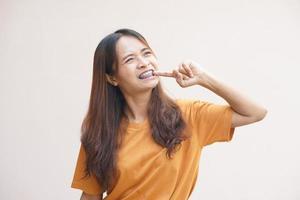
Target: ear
x=111, y=80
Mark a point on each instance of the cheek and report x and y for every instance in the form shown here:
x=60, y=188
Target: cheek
x=125, y=74
x=154, y=61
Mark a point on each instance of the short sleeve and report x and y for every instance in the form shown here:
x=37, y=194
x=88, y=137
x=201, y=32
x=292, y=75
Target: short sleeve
x=88, y=184
x=211, y=122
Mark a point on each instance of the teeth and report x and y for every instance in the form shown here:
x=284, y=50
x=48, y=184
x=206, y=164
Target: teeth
x=146, y=74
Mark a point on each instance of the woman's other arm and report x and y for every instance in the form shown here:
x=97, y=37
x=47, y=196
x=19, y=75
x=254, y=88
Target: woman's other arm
x=245, y=111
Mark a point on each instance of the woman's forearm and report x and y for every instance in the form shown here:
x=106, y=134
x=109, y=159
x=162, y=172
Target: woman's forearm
x=238, y=101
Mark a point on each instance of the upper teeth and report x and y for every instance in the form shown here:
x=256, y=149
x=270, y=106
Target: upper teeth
x=146, y=74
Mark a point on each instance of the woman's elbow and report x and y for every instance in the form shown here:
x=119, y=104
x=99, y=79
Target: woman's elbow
x=262, y=114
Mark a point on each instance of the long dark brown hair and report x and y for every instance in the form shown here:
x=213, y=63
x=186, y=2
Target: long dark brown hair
x=102, y=129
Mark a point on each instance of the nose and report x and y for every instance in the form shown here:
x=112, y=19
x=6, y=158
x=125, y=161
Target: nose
x=143, y=62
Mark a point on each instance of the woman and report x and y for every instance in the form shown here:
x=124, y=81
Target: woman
x=138, y=143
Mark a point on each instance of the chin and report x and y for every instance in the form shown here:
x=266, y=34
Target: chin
x=151, y=85
x=155, y=83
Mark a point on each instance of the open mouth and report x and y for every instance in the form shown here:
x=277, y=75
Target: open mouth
x=146, y=74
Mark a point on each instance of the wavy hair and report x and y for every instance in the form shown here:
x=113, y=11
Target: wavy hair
x=103, y=126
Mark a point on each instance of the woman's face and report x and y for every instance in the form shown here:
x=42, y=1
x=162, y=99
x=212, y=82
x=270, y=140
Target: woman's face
x=135, y=58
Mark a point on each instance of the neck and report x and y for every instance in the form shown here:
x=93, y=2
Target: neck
x=136, y=108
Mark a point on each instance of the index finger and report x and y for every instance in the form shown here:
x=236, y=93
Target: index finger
x=167, y=74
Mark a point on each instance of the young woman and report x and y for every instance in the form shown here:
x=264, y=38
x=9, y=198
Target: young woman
x=138, y=143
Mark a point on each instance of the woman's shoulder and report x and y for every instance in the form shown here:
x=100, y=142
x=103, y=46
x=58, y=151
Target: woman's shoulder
x=191, y=105
x=184, y=104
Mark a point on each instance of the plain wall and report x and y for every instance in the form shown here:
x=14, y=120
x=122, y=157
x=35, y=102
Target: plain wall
x=46, y=56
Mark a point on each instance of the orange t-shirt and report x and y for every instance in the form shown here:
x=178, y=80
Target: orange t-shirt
x=146, y=172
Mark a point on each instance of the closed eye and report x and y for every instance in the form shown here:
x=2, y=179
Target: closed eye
x=128, y=60
x=147, y=52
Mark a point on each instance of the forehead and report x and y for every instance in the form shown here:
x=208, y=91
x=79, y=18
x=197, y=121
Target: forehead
x=129, y=44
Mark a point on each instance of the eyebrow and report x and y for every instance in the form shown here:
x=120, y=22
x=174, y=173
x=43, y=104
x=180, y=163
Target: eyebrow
x=143, y=49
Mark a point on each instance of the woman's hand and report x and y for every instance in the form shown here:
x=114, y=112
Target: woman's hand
x=187, y=74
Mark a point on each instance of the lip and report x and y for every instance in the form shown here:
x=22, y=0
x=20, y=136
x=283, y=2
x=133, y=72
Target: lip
x=146, y=71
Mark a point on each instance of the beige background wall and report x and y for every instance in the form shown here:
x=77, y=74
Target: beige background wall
x=46, y=52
